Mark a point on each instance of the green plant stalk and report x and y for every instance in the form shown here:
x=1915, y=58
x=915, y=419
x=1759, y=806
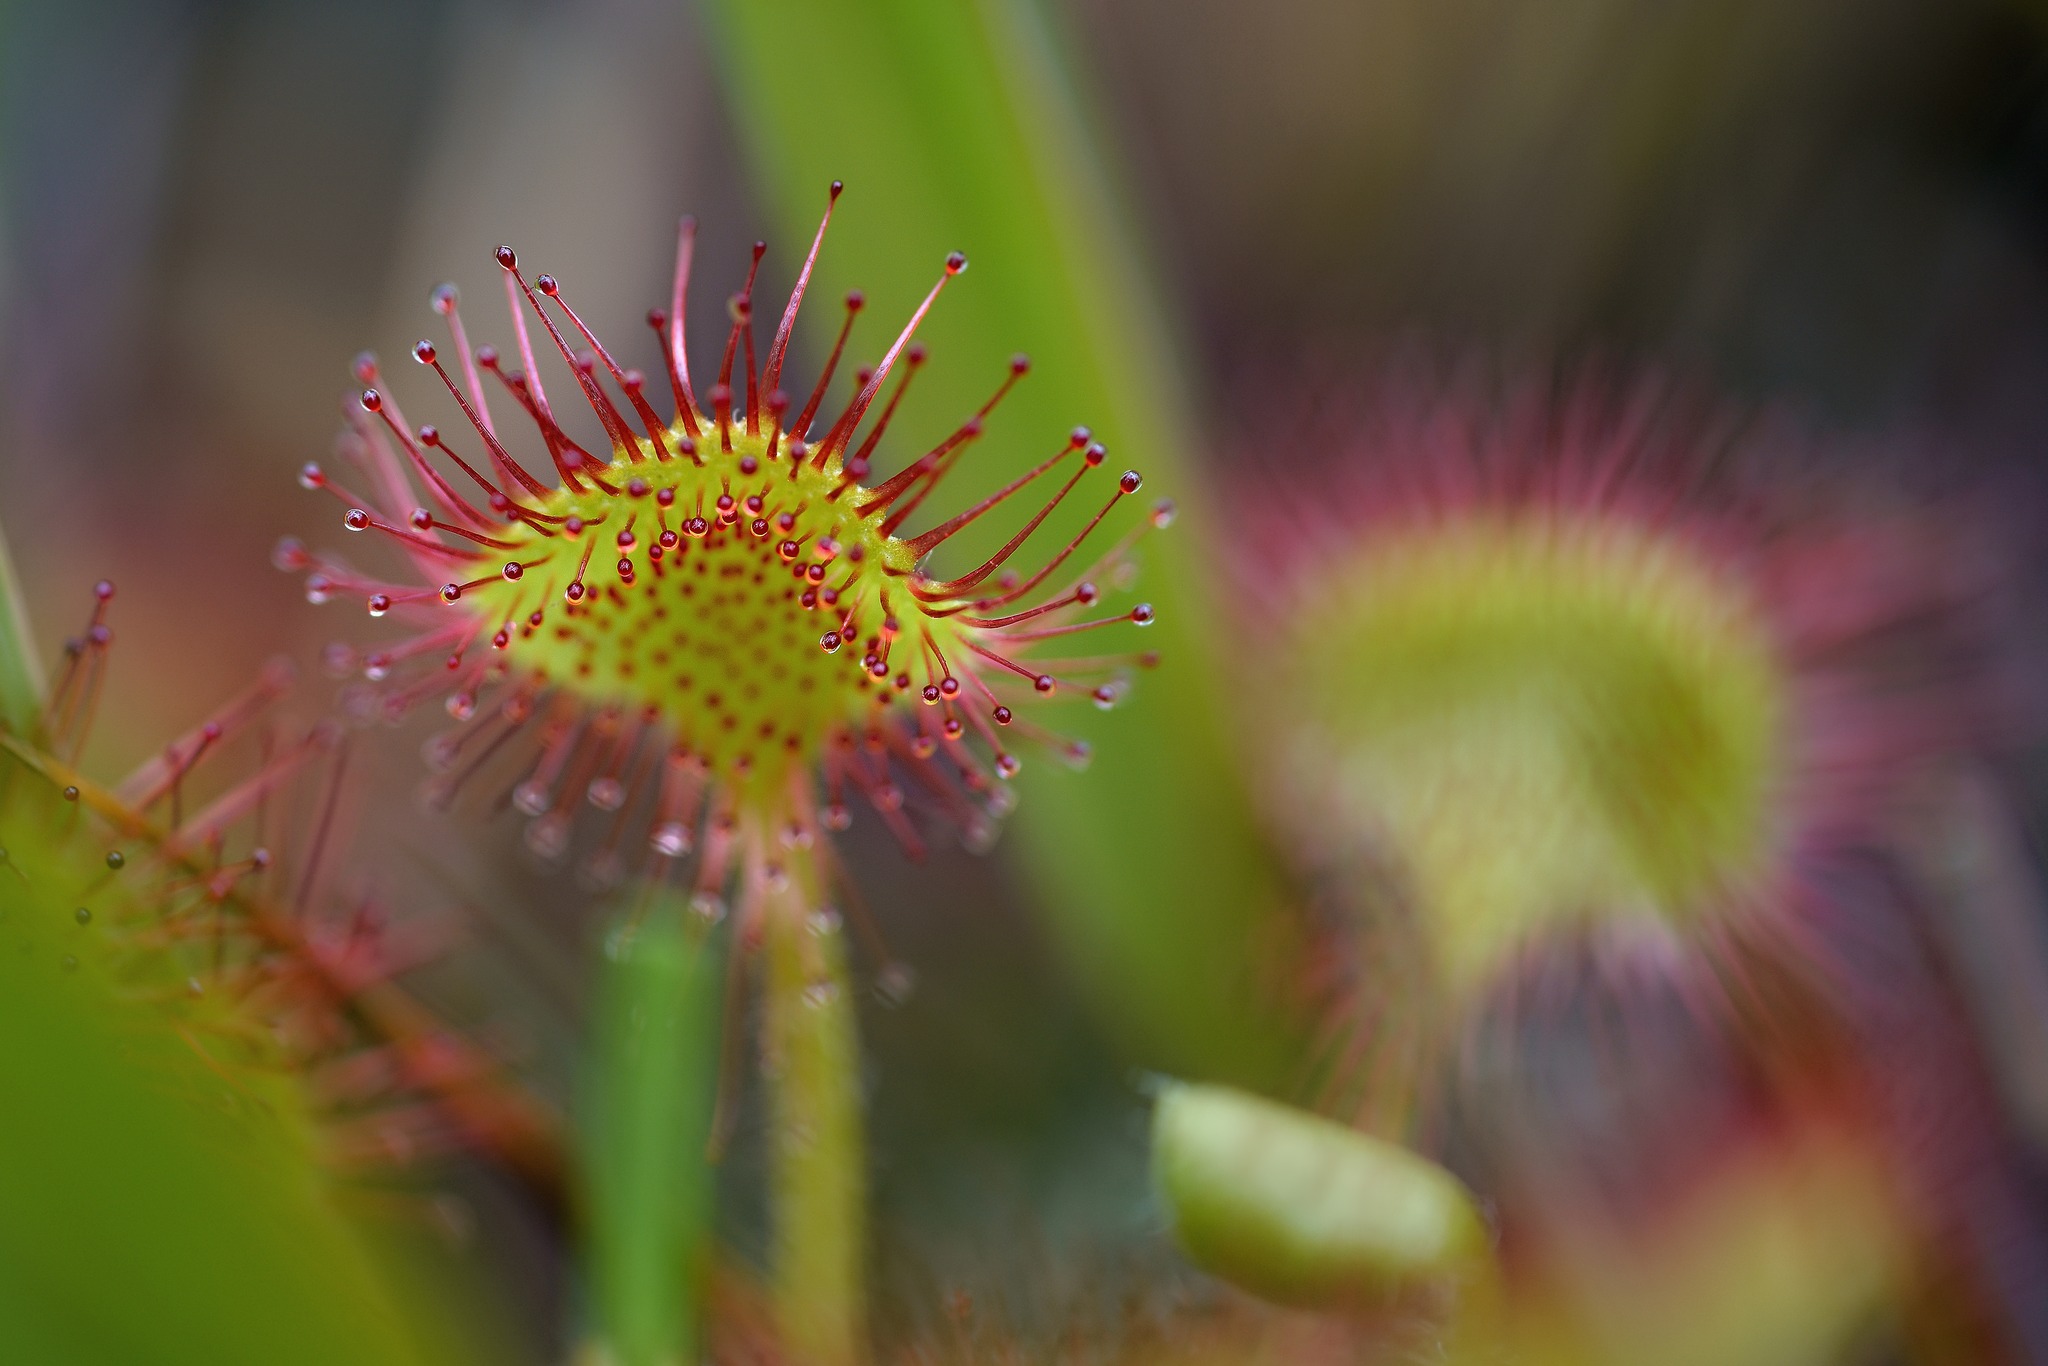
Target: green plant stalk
x=647, y=1172
x=951, y=128
x=817, y=1163
x=21, y=669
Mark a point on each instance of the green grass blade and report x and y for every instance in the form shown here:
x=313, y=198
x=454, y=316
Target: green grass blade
x=647, y=1127
x=21, y=671
x=951, y=128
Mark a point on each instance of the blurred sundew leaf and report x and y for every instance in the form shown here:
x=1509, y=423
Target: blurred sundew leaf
x=156, y=1205
x=652, y=1083
x=952, y=129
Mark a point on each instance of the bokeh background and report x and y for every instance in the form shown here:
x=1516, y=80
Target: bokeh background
x=1839, y=207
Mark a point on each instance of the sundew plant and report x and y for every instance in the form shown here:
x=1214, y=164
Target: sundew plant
x=762, y=642
x=1376, y=739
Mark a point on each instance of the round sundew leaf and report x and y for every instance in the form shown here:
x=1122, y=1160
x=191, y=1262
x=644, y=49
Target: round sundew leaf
x=1302, y=1210
x=1544, y=719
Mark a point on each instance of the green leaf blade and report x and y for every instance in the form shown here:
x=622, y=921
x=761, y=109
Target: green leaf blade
x=647, y=1129
x=951, y=128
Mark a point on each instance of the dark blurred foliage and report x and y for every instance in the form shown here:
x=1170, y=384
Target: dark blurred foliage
x=207, y=208
x=1841, y=199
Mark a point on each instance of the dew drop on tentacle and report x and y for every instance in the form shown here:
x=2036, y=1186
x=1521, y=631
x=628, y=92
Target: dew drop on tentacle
x=895, y=983
x=980, y=833
x=602, y=871
x=547, y=837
